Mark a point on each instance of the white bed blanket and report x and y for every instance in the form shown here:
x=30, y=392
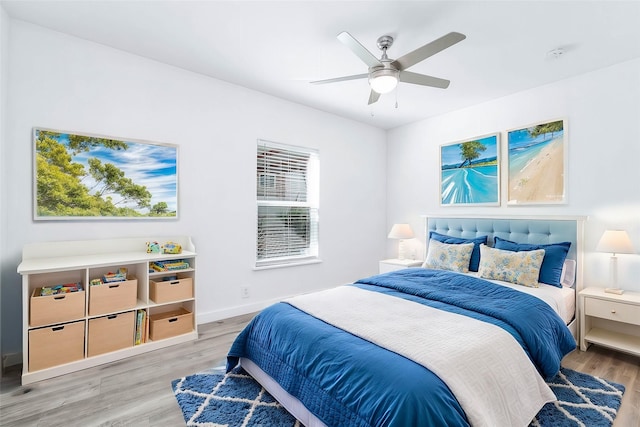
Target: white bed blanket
x=486, y=369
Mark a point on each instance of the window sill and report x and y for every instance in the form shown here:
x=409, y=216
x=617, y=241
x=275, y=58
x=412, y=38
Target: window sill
x=289, y=264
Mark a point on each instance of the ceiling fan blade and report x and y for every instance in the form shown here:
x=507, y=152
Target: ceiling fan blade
x=424, y=80
x=341, y=79
x=355, y=46
x=428, y=50
x=373, y=97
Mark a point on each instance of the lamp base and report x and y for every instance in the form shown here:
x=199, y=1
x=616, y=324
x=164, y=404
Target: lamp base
x=616, y=291
x=401, y=249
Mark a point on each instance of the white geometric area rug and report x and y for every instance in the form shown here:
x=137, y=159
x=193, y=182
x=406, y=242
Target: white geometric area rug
x=235, y=399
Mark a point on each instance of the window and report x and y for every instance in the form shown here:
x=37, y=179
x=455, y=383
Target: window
x=287, y=183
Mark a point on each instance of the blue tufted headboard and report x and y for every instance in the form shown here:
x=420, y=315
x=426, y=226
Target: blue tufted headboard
x=537, y=229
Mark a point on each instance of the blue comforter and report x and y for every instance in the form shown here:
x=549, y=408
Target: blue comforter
x=347, y=381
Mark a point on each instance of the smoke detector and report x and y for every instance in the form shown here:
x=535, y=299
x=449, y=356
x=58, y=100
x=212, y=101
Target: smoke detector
x=556, y=53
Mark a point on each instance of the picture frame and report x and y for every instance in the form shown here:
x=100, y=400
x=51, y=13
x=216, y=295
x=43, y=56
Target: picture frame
x=537, y=163
x=470, y=172
x=81, y=176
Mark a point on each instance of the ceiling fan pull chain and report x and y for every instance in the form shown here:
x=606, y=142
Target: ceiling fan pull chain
x=397, y=97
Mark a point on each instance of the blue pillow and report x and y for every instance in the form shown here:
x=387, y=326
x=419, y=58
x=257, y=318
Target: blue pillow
x=554, y=256
x=477, y=241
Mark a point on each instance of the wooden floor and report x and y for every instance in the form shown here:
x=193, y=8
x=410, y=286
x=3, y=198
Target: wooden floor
x=613, y=366
x=137, y=391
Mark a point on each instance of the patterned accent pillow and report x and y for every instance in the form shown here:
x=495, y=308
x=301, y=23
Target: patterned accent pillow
x=554, y=256
x=522, y=268
x=477, y=241
x=444, y=256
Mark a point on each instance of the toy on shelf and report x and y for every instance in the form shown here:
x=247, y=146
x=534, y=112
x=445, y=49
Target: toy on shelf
x=153, y=248
x=118, y=276
x=174, y=264
x=61, y=289
x=171, y=248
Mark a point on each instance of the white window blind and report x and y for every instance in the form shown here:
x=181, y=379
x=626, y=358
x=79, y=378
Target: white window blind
x=287, y=183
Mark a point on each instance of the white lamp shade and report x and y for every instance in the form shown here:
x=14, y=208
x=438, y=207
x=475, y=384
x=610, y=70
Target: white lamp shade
x=383, y=81
x=615, y=241
x=401, y=231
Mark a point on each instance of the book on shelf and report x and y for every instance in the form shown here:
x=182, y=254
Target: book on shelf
x=141, y=322
x=145, y=335
x=136, y=339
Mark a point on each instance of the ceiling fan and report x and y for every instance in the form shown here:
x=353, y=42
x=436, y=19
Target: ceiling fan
x=384, y=73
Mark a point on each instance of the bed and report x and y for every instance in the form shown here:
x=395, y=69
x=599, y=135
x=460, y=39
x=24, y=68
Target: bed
x=428, y=346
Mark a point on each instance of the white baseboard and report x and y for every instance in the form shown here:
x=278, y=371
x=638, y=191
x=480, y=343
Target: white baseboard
x=11, y=359
x=225, y=313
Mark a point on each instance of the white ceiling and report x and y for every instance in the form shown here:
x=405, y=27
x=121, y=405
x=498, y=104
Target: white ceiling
x=277, y=47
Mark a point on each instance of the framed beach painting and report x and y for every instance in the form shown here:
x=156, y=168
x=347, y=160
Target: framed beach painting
x=470, y=172
x=84, y=176
x=537, y=163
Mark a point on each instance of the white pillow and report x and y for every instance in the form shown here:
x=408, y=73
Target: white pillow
x=522, y=268
x=444, y=256
x=568, y=276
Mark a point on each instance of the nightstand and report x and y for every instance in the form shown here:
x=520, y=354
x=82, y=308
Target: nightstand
x=387, y=265
x=610, y=320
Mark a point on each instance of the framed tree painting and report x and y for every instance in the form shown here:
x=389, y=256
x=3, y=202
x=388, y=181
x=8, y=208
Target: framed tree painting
x=83, y=176
x=537, y=164
x=470, y=172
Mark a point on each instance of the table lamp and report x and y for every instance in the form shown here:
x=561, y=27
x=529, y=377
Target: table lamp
x=616, y=242
x=401, y=232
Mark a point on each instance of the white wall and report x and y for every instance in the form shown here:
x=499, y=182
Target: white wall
x=603, y=112
x=61, y=82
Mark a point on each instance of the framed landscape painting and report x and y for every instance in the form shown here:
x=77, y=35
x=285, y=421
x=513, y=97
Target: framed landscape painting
x=470, y=172
x=82, y=176
x=537, y=164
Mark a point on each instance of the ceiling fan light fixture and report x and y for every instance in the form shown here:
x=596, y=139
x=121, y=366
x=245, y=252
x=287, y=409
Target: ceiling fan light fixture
x=383, y=81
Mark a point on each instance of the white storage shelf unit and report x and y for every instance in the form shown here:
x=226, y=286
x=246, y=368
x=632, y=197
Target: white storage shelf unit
x=51, y=263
